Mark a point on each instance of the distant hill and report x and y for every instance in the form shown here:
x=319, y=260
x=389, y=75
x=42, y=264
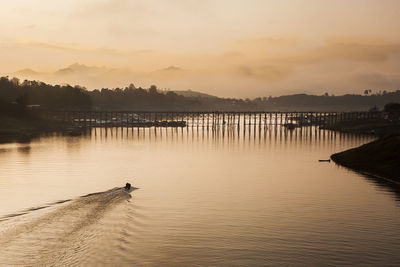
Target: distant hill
x=170, y=69
x=82, y=69
x=97, y=77
x=26, y=72
x=131, y=98
x=190, y=93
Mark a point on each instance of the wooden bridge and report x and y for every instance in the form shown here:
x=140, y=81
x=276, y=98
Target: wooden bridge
x=203, y=119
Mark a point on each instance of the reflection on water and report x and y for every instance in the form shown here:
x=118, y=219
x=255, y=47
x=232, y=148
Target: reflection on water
x=225, y=196
x=253, y=134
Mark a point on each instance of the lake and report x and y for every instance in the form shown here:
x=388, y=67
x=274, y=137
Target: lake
x=245, y=196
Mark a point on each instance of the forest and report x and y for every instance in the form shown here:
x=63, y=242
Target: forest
x=35, y=94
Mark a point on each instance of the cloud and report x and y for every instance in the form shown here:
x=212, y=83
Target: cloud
x=271, y=73
x=255, y=63
x=246, y=59
x=354, y=51
x=378, y=80
x=263, y=42
x=255, y=57
x=72, y=48
x=293, y=51
x=63, y=47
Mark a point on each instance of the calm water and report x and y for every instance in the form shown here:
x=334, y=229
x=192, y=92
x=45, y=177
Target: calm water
x=234, y=197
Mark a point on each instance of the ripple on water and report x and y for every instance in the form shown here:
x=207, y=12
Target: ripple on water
x=247, y=198
x=68, y=232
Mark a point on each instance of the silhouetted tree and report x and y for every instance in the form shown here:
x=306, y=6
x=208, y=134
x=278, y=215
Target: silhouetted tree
x=393, y=109
x=68, y=97
x=153, y=89
x=374, y=109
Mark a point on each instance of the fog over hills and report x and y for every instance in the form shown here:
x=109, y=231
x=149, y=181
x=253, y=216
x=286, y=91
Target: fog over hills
x=97, y=77
x=190, y=93
x=216, y=82
x=94, y=77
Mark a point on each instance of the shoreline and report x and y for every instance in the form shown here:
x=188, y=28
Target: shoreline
x=22, y=129
x=379, y=158
x=377, y=127
x=369, y=174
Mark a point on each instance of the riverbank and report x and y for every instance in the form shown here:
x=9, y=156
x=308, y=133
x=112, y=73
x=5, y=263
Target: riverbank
x=380, y=157
x=15, y=128
x=377, y=127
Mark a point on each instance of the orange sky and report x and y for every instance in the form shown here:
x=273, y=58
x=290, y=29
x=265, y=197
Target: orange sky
x=227, y=48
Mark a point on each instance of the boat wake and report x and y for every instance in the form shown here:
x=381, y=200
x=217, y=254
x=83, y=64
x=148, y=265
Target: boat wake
x=57, y=232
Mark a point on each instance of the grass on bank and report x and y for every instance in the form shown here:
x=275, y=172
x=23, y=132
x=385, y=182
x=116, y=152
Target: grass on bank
x=380, y=157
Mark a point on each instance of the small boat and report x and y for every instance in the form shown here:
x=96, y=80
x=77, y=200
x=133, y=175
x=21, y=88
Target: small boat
x=324, y=160
x=127, y=186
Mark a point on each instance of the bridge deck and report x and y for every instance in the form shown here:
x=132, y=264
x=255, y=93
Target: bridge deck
x=203, y=119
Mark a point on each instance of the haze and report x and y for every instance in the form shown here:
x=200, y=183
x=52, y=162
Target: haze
x=226, y=48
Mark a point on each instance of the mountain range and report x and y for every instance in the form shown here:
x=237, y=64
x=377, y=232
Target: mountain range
x=95, y=77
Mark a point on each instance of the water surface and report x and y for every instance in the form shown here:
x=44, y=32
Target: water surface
x=248, y=196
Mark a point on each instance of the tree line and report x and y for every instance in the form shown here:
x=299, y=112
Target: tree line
x=15, y=93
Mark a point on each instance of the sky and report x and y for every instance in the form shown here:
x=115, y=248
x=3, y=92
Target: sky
x=229, y=48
